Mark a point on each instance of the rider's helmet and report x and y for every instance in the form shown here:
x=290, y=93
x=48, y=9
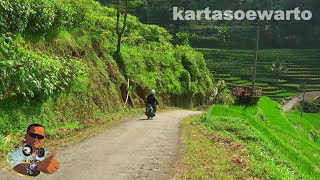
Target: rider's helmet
x=152, y=92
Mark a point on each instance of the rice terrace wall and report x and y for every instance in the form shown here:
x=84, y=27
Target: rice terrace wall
x=235, y=67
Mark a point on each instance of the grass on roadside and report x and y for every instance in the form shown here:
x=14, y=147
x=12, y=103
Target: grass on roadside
x=208, y=155
x=250, y=142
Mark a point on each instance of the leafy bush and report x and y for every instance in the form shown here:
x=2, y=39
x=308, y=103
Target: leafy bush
x=182, y=38
x=310, y=106
x=185, y=79
x=14, y=16
x=42, y=17
x=194, y=63
x=81, y=8
x=221, y=95
x=64, y=15
x=26, y=73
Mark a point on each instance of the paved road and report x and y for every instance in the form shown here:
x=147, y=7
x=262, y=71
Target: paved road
x=291, y=103
x=137, y=149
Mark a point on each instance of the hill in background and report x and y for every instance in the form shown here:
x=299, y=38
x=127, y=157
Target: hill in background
x=233, y=34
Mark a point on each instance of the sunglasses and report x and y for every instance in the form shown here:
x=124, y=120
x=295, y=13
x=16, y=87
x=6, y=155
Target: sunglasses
x=33, y=135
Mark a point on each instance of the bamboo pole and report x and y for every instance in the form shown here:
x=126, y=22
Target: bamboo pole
x=125, y=104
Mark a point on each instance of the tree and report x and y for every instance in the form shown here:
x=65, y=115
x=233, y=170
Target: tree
x=120, y=33
x=182, y=38
x=278, y=69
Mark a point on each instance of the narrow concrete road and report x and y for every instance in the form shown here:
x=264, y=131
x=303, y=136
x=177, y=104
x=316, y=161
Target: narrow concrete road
x=137, y=149
x=295, y=100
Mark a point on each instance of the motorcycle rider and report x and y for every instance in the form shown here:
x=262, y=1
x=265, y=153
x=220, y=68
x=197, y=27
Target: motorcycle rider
x=152, y=100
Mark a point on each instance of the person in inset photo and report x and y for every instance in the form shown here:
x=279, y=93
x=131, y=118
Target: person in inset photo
x=30, y=159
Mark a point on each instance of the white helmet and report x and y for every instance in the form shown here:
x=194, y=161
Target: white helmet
x=152, y=91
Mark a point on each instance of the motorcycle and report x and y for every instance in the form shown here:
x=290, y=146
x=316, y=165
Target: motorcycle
x=150, y=112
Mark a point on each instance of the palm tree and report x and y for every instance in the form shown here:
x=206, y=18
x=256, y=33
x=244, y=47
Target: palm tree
x=278, y=69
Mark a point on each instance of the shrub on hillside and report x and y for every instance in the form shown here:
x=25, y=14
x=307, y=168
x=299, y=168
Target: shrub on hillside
x=185, y=79
x=26, y=73
x=14, y=16
x=194, y=63
x=64, y=15
x=182, y=38
x=310, y=106
x=42, y=17
x=221, y=95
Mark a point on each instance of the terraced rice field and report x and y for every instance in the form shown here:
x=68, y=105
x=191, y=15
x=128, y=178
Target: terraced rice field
x=236, y=66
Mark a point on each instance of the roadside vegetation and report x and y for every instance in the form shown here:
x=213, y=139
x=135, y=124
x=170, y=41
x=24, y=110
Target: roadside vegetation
x=57, y=66
x=209, y=155
x=310, y=106
x=274, y=145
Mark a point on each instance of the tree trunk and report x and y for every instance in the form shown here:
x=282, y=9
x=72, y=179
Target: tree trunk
x=304, y=94
x=119, y=46
x=277, y=85
x=256, y=57
x=120, y=33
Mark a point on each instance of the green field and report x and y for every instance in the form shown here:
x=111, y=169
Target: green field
x=235, y=67
x=282, y=145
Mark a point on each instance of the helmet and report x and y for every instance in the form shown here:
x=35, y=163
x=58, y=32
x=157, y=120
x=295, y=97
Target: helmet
x=152, y=91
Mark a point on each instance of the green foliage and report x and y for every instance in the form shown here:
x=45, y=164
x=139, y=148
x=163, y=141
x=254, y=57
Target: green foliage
x=277, y=68
x=233, y=34
x=310, y=106
x=14, y=15
x=283, y=146
x=182, y=38
x=26, y=73
x=39, y=16
x=81, y=9
x=221, y=95
x=73, y=125
x=153, y=52
x=160, y=67
x=194, y=63
x=64, y=15
x=42, y=65
x=185, y=80
x=42, y=17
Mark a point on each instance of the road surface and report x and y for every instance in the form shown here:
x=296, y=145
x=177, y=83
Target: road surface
x=137, y=149
x=293, y=101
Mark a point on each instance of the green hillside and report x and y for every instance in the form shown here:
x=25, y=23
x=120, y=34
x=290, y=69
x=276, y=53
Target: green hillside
x=281, y=145
x=235, y=67
x=57, y=66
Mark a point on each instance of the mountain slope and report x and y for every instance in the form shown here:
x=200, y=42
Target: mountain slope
x=52, y=33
